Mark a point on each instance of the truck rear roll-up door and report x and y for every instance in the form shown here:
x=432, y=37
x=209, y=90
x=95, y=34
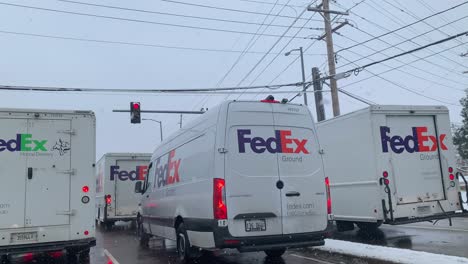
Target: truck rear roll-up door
x=414, y=146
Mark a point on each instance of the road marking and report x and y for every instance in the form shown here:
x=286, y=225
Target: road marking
x=313, y=259
x=109, y=255
x=434, y=228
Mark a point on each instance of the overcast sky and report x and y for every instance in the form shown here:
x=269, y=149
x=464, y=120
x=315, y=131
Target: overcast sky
x=38, y=61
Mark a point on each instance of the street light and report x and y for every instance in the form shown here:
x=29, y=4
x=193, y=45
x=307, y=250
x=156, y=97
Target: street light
x=160, y=125
x=304, y=87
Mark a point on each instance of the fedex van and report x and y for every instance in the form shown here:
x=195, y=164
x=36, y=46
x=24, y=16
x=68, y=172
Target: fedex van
x=244, y=175
x=116, y=174
x=46, y=182
x=391, y=164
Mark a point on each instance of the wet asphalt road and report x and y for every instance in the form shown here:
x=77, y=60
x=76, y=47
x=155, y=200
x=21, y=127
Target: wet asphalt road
x=122, y=244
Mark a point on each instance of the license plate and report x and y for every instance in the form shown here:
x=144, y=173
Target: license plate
x=24, y=237
x=424, y=209
x=255, y=225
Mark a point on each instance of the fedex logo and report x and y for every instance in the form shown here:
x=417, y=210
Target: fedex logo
x=22, y=142
x=135, y=175
x=168, y=173
x=281, y=143
x=419, y=141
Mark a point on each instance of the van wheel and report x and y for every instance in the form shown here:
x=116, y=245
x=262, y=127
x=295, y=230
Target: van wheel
x=185, y=251
x=108, y=226
x=342, y=226
x=143, y=237
x=365, y=226
x=276, y=253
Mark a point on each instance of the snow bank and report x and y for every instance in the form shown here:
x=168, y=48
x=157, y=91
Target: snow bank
x=388, y=254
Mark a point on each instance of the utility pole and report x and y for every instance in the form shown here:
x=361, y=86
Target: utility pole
x=318, y=94
x=180, y=123
x=331, y=59
x=304, y=86
x=325, y=12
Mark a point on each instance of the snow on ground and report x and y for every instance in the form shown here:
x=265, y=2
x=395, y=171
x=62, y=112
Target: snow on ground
x=388, y=254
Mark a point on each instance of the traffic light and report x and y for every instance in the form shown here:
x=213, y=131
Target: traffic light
x=135, y=112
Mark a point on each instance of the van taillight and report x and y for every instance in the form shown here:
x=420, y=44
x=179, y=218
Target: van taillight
x=329, y=202
x=85, y=189
x=108, y=199
x=219, y=199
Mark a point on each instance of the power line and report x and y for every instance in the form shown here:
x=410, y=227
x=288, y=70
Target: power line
x=404, y=64
x=409, y=52
x=116, y=90
x=134, y=43
x=249, y=45
x=432, y=63
x=399, y=85
x=268, y=3
x=272, y=47
x=400, y=28
x=402, y=37
x=397, y=20
x=139, y=21
x=171, y=14
x=224, y=9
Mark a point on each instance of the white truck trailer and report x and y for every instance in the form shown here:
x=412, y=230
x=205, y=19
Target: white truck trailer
x=390, y=164
x=116, y=174
x=47, y=186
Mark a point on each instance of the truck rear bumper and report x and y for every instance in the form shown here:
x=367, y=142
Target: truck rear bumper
x=223, y=239
x=49, y=246
x=407, y=220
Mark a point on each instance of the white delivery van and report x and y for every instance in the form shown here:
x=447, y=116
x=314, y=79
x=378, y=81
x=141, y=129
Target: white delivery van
x=244, y=175
x=46, y=182
x=116, y=174
x=390, y=164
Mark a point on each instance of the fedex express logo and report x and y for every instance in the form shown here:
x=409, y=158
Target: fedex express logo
x=419, y=141
x=168, y=174
x=22, y=142
x=282, y=142
x=135, y=175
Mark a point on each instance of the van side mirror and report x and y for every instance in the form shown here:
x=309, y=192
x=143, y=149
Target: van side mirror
x=139, y=187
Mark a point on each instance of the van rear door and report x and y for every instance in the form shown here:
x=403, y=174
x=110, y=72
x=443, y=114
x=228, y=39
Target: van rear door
x=414, y=145
x=12, y=174
x=49, y=164
x=303, y=198
x=251, y=172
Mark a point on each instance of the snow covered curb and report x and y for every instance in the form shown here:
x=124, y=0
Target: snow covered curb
x=395, y=255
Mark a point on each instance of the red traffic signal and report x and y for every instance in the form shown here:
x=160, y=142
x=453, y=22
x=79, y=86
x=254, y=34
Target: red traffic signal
x=135, y=112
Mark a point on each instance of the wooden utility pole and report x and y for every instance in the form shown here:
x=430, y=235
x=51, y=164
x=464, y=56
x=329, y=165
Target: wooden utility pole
x=331, y=58
x=317, y=83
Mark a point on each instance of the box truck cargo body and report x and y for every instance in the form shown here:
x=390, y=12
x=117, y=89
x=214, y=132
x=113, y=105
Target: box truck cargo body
x=116, y=174
x=46, y=183
x=244, y=175
x=391, y=164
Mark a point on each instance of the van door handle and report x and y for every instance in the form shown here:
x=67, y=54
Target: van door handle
x=30, y=173
x=290, y=194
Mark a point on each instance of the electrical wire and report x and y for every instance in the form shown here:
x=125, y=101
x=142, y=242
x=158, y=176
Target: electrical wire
x=403, y=27
x=170, y=14
x=268, y=3
x=135, y=43
x=402, y=42
x=223, y=8
x=140, y=21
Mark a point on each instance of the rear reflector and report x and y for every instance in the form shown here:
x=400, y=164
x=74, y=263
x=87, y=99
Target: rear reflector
x=385, y=174
x=219, y=199
x=450, y=170
x=28, y=257
x=386, y=181
x=86, y=232
x=231, y=242
x=108, y=199
x=329, y=202
x=55, y=254
x=452, y=177
x=85, y=189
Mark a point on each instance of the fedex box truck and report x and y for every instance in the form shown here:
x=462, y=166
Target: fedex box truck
x=390, y=164
x=46, y=181
x=116, y=174
x=244, y=175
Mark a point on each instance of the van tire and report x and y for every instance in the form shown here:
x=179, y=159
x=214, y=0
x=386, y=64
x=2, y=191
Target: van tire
x=185, y=251
x=366, y=226
x=143, y=237
x=275, y=253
